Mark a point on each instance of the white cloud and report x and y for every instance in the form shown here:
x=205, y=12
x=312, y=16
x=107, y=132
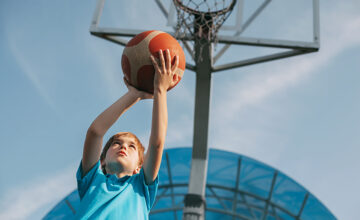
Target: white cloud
x=108, y=64
x=340, y=25
x=338, y=35
x=22, y=201
x=180, y=131
x=31, y=72
x=181, y=110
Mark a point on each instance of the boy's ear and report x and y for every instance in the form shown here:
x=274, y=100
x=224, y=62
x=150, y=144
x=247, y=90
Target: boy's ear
x=137, y=170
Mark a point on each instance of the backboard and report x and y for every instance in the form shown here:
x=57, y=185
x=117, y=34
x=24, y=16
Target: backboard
x=292, y=30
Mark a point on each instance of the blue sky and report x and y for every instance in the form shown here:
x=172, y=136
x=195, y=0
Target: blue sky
x=299, y=115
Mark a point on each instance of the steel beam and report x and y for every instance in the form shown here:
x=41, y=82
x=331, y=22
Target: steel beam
x=113, y=39
x=241, y=192
x=219, y=199
x=190, y=67
x=236, y=184
x=316, y=21
x=115, y=31
x=170, y=181
x=97, y=14
x=243, y=28
x=257, y=60
x=262, y=42
x=166, y=210
x=268, y=200
x=237, y=191
x=274, y=211
x=237, y=215
x=199, y=163
x=162, y=8
x=302, y=205
x=160, y=196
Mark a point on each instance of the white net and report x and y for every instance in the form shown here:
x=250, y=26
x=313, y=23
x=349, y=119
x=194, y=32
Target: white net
x=200, y=20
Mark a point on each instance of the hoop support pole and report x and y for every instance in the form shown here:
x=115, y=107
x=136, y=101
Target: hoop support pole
x=194, y=207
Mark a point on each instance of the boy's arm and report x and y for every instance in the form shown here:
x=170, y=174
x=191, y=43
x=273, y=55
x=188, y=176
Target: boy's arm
x=164, y=78
x=97, y=130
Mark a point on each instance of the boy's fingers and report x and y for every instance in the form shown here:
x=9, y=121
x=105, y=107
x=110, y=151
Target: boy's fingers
x=168, y=61
x=161, y=55
x=157, y=68
x=173, y=68
x=153, y=60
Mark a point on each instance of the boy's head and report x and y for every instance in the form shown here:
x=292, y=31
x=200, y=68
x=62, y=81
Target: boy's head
x=123, y=152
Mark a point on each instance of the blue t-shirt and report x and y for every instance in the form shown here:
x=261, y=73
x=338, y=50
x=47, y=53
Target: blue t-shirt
x=109, y=197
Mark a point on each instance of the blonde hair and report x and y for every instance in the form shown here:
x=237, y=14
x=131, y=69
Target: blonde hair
x=140, y=147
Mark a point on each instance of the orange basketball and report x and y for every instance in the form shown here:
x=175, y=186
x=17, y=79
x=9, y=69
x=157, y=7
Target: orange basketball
x=136, y=63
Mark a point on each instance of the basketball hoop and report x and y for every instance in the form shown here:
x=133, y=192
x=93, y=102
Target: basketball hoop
x=201, y=19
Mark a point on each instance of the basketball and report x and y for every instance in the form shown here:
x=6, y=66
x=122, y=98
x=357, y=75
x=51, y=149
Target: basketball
x=136, y=63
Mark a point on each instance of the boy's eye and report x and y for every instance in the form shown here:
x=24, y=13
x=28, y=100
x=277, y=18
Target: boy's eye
x=132, y=146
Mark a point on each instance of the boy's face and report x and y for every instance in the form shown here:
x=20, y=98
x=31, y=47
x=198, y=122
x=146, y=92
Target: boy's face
x=123, y=155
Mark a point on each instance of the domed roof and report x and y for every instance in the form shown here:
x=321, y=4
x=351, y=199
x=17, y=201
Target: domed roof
x=237, y=186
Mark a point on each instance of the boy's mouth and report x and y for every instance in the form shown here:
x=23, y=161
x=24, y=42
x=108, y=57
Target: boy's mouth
x=122, y=153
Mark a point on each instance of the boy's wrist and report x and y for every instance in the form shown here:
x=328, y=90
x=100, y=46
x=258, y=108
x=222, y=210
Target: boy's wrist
x=159, y=89
x=133, y=95
x=138, y=95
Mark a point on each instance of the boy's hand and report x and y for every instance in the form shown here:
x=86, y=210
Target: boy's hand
x=136, y=92
x=165, y=76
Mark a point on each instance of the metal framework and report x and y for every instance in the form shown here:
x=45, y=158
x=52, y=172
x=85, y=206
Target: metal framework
x=204, y=68
x=295, y=47
x=225, y=209
x=247, y=190
x=227, y=199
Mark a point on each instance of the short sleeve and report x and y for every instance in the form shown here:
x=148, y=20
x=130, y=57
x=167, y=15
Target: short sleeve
x=83, y=183
x=149, y=190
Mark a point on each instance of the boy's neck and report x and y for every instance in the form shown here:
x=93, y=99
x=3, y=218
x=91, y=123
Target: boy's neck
x=122, y=174
x=118, y=173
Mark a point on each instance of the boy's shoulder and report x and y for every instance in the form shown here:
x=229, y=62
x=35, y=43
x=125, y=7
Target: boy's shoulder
x=101, y=193
x=97, y=179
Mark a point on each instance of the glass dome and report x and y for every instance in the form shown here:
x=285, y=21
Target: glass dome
x=237, y=187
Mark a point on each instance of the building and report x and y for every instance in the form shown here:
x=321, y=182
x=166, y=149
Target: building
x=237, y=187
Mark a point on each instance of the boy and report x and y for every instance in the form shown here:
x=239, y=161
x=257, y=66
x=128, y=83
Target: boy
x=115, y=183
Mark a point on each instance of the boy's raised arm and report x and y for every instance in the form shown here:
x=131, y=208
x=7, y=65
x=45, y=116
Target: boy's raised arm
x=97, y=130
x=164, y=78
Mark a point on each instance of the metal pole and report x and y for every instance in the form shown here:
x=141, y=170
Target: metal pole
x=194, y=207
x=97, y=13
x=316, y=21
